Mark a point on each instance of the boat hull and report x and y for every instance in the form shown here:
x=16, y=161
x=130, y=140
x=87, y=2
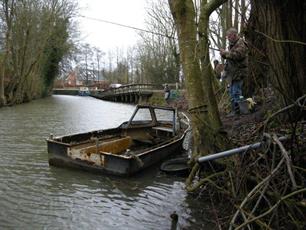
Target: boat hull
x=113, y=164
x=125, y=150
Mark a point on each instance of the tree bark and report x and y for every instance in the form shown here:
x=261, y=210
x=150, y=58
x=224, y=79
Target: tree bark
x=282, y=26
x=229, y=14
x=236, y=14
x=2, y=97
x=184, y=15
x=194, y=51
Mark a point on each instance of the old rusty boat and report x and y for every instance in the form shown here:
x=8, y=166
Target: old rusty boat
x=152, y=134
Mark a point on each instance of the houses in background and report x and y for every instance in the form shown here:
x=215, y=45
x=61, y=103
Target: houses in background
x=72, y=80
x=82, y=78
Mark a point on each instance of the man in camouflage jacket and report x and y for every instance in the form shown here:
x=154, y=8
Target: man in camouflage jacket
x=236, y=67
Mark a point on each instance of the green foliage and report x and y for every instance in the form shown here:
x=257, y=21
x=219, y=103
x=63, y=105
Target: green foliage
x=158, y=64
x=36, y=39
x=121, y=73
x=157, y=99
x=54, y=51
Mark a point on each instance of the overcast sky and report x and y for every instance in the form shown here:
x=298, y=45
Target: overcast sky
x=107, y=36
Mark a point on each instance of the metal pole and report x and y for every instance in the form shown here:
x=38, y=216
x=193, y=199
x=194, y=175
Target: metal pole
x=230, y=152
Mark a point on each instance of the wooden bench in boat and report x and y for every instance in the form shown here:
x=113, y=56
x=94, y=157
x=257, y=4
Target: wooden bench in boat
x=115, y=146
x=93, y=154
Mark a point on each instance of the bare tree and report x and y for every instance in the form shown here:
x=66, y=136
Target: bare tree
x=98, y=59
x=158, y=51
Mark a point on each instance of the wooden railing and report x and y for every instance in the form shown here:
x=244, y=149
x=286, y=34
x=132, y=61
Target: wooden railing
x=131, y=88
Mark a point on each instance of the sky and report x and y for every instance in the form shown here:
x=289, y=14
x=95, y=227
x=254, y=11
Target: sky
x=107, y=36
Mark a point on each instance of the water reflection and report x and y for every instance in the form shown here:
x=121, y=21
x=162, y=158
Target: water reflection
x=35, y=196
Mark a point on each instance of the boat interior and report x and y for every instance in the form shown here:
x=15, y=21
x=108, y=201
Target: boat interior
x=131, y=140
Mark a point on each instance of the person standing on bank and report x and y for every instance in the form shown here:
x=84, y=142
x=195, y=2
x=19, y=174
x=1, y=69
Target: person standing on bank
x=218, y=68
x=236, y=67
x=167, y=93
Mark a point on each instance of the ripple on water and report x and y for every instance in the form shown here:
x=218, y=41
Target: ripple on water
x=35, y=196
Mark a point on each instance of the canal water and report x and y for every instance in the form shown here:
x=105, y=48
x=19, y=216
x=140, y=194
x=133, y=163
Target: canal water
x=34, y=195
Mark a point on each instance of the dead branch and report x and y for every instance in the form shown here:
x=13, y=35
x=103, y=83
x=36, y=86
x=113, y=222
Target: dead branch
x=272, y=208
x=288, y=160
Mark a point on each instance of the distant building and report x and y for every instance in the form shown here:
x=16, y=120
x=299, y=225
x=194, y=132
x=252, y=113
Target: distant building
x=81, y=77
x=72, y=80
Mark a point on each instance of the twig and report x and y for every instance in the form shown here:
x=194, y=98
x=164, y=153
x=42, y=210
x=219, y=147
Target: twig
x=259, y=199
x=300, y=168
x=296, y=103
x=215, y=213
x=281, y=41
x=192, y=174
x=232, y=184
x=206, y=179
x=245, y=218
x=276, y=113
x=258, y=221
x=288, y=160
x=272, y=208
x=255, y=190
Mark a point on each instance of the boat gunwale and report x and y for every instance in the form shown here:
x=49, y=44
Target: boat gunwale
x=175, y=138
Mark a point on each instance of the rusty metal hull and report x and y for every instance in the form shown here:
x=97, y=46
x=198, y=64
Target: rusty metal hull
x=125, y=150
x=114, y=164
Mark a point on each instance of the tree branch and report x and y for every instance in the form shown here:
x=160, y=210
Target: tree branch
x=211, y=6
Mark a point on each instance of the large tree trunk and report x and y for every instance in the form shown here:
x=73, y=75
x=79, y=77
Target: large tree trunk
x=283, y=28
x=229, y=14
x=223, y=19
x=2, y=97
x=184, y=15
x=243, y=15
x=236, y=14
x=258, y=60
x=207, y=73
x=197, y=69
x=2, y=75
